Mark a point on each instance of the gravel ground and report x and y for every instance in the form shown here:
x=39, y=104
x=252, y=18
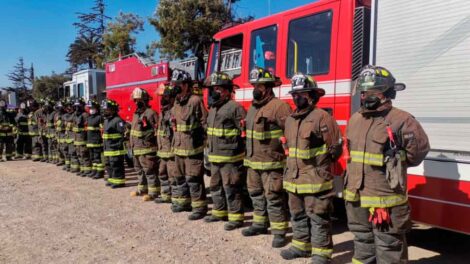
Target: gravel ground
x=51, y=216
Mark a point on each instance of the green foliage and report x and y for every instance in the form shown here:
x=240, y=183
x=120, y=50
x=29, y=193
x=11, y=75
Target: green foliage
x=48, y=86
x=20, y=75
x=119, y=35
x=187, y=26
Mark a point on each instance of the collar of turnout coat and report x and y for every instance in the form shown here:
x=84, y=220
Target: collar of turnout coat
x=260, y=103
x=303, y=112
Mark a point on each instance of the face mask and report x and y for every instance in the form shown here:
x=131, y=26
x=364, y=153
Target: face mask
x=164, y=101
x=215, y=96
x=92, y=111
x=371, y=102
x=140, y=105
x=257, y=94
x=177, y=89
x=300, y=102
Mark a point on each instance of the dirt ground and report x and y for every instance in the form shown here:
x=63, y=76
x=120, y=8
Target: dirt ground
x=51, y=216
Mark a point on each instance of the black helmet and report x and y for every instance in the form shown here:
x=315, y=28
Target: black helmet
x=166, y=89
x=79, y=102
x=264, y=76
x=93, y=104
x=180, y=76
x=305, y=83
x=109, y=104
x=377, y=78
x=220, y=79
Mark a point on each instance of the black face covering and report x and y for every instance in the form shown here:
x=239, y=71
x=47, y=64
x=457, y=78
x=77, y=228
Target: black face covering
x=164, y=101
x=301, y=102
x=257, y=94
x=371, y=102
x=215, y=96
x=177, y=89
x=140, y=105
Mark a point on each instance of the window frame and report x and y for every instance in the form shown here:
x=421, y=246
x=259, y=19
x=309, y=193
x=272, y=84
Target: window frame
x=277, y=44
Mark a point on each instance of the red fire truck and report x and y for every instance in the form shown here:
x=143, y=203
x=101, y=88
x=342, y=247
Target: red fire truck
x=426, y=46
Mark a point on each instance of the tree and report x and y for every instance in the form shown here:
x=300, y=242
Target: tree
x=48, y=86
x=119, y=38
x=20, y=76
x=87, y=47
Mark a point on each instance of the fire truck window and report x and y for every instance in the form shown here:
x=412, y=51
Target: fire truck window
x=309, y=44
x=231, y=55
x=215, y=56
x=263, y=48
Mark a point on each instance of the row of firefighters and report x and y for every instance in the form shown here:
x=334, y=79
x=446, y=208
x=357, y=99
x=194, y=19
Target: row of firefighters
x=270, y=149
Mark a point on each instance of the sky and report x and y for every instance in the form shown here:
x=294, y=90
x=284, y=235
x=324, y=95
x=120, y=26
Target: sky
x=40, y=31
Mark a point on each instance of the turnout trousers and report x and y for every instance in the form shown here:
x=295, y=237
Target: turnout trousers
x=384, y=245
x=226, y=187
x=269, y=200
x=188, y=188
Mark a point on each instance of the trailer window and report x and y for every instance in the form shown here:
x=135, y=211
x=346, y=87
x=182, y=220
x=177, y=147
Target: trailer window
x=231, y=55
x=263, y=48
x=309, y=42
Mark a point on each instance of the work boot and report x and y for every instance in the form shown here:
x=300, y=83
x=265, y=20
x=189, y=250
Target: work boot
x=137, y=193
x=148, y=197
x=162, y=200
x=196, y=216
x=232, y=225
x=60, y=163
x=98, y=175
x=116, y=186
x=317, y=259
x=43, y=160
x=108, y=184
x=179, y=209
x=34, y=160
x=212, y=219
x=279, y=241
x=293, y=253
x=254, y=231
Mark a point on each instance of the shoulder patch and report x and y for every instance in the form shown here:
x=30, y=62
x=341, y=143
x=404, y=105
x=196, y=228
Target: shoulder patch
x=324, y=129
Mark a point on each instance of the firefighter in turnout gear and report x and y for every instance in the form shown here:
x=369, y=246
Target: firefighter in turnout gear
x=7, y=123
x=41, y=117
x=94, y=140
x=80, y=118
x=113, y=144
x=69, y=148
x=164, y=137
x=383, y=141
x=226, y=150
x=34, y=117
x=189, y=120
x=50, y=132
x=143, y=142
x=59, y=127
x=314, y=144
x=23, y=139
x=265, y=158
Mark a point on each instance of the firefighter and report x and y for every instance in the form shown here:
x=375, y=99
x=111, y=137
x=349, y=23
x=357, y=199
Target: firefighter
x=7, y=122
x=164, y=137
x=41, y=117
x=226, y=150
x=143, y=142
x=383, y=142
x=80, y=118
x=69, y=148
x=51, y=133
x=34, y=130
x=314, y=144
x=113, y=144
x=265, y=158
x=189, y=120
x=23, y=139
x=59, y=128
x=94, y=140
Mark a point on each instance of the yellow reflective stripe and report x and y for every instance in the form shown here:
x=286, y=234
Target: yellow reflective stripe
x=165, y=154
x=262, y=165
x=221, y=132
x=74, y=166
x=382, y=202
x=112, y=136
x=226, y=159
x=154, y=189
x=219, y=213
x=113, y=153
x=325, y=252
x=367, y=158
x=6, y=134
x=85, y=168
x=144, y=151
x=301, y=245
x=23, y=123
x=180, y=201
x=77, y=129
x=161, y=133
x=137, y=133
x=260, y=218
x=94, y=145
x=67, y=162
x=236, y=217
x=79, y=143
x=92, y=128
x=186, y=128
x=69, y=141
x=116, y=181
x=24, y=133
x=355, y=261
x=279, y=225
x=307, y=187
x=36, y=156
x=264, y=135
x=350, y=196
x=188, y=152
x=198, y=204
x=307, y=153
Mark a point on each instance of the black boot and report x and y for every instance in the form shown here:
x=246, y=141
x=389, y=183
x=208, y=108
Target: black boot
x=279, y=241
x=179, y=209
x=212, y=218
x=233, y=225
x=161, y=200
x=196, y=216
x=116, y=186
x=254, y=231
x=293, y=253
